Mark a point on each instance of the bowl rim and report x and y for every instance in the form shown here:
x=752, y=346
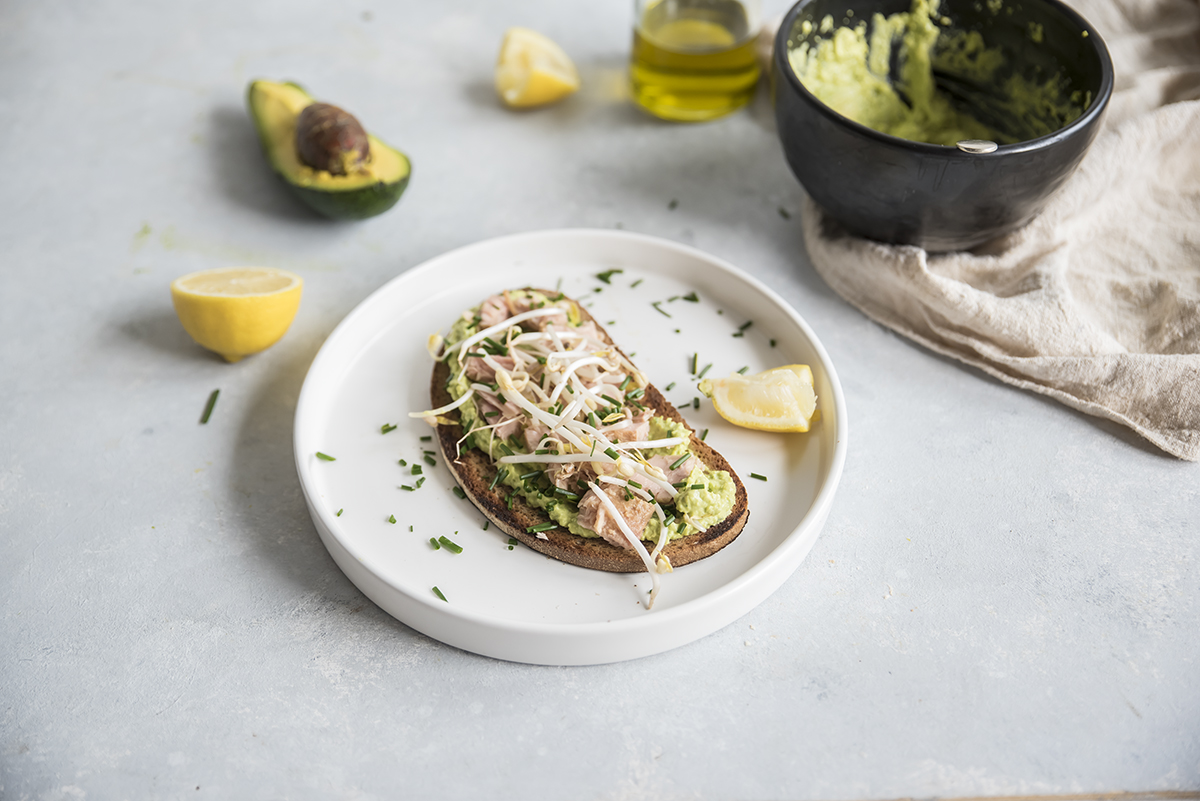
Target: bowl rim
x=783, y=66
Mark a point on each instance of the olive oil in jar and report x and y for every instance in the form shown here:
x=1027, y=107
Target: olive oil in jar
x=694, y=60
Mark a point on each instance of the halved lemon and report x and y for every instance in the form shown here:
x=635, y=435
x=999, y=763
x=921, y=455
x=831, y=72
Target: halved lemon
x=237, y=311
x=532, y=70
x=781, y=399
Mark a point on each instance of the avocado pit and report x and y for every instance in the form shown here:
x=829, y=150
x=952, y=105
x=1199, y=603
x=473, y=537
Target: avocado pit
x=331, y=139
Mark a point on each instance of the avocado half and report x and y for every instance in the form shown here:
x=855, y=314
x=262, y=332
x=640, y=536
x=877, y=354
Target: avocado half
x=274, y=108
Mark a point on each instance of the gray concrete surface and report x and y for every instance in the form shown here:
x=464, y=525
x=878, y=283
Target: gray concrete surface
x=1003, y=601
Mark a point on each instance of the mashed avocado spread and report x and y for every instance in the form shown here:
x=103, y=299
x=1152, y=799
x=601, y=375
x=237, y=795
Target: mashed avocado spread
x=849, y=68
x=706, y=498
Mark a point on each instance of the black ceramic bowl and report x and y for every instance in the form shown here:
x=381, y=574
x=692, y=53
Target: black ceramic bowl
x=937, y=196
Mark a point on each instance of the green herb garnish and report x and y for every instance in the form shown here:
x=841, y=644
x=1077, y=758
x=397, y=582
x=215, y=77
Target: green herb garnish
x=459, y=492
x=635, y=283
x=695, y=403
x=680, y=460
x=429, y=461
x=704, y=435
x=324, y=457
x=696, y=487
x=672, y=205
x=449, y=545
x=784, y=213
x=437, y=546
x=756, y=475
x=743, y=370
x=417, y=470
x=540, y=527
x=438, y=593
x=208, y=407
x=707, y=367
x=695, y=362
x=420, y=481
x=339, y=512
x=392, y=519
x=403, y=463
x=660, y=309
x=386, y=427
x=692, y=297
x=670, y=386
x=406, y=488
x=607, y=275
x=612, y=454
x=745, y=325
x=498, y=478
x=772, y=343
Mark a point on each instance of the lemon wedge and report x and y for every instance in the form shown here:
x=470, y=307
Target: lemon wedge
x=781, y=399
x=237, y=311
x=532, y=70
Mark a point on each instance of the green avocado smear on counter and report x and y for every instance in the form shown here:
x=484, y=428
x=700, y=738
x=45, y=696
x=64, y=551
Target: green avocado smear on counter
x=849, y=69
x=707, y=497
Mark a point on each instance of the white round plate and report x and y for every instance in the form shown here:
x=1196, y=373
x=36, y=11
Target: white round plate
x=513, y=603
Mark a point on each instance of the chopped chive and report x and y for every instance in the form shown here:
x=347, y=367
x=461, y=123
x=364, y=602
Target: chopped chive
x=498, y=477
x=570, y=496
x=545, y=451
x=339, y=512
x=635, y=283
x=324, y=457
x=695, y=403
x=633, y=355
x=492, y=413
x=392, y=519
x=403, y=463
x=487, y=524
x=628, y=494
x=680, y=460
x=672, y=299
x=512, y=497
x=449, y=545
x=558, y=286
x=720, y=311
x=459, y=492
x=695, y=362
x=610, y=322
x=737, y=334
x=704, y=435
x=607, y=275
x=208, y=407
x=670, y=386
x=610, y=453
x=410, y=528
x=670, y=519
x=613, y=401
x=683, y=405
x=756, y=475
x=692, y=297
x=696, y=487
x=420, y=481
x=507, y=451
x=532, y=474
x=592, y=421
x=386, y=427
x=679, y=484
x=660, y=309
x=426, y=439
x=672, y=205
x=625, y=383
x=406, y=488
x=417, y=470
x=635, y=394
x=635, y=484
x=513, y=541
x=707, y=367
x=772, y=343
x=745, y=325
x=429, y=461
x=743, y=370
x=593, y=453
x=598, y=289
x=438, y=593
x=437, y=546
x=540, y=527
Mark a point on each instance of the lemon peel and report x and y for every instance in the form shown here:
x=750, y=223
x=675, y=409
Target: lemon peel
x=237, y=311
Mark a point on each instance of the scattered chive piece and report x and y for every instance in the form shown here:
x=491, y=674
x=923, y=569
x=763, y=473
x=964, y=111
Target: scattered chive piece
x=593, y=453
x=592, y=421
x=635, y=283
x=692, y=297
x=540, y=527
x=613, y=401
x=410, y=528
x=720, y=311
x=696, y=486
x=429, y=461
x=660, y=309
x=704, y=435
x=449, y=545
x=324, y=457
x=438, y=593
x=625, y=383
x=695, y=403
x=672, y=299
x=420, y=481
x=679, y=461
x=679, y=484
x=392, y=519
x=459, y=492
x=683, y=405
x=737, y=334
x=403, y=463
x=598, y=289
x=339, y=512
x=610, y=453
x=492, y=413
x=386, y=427
x=672, y=205
x=513, y=541
x=558, y=286
x=607, y=275
x=670, y=386
x=507, y=451
x=743, y=370
x=745, y=325
x=756, y=475
x=695, y=361
x=633, y=483
x=784, y=213
x=707, y=367
x=628, y=494
x=406, y=488
x=486, y=524
x=417, y=470
x=436, y=545
x=635, y=394
x=208, y=407
x=772, y=343
x=512, y=496
x=498, y=477
x=426, y=439
x=633, y=355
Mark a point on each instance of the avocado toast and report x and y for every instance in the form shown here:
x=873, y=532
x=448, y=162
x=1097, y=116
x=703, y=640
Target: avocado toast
x=562, y=442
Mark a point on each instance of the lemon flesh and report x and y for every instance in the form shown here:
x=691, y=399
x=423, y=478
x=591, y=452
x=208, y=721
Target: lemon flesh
x=781, y=399
x=237, y=311
x=532, y=70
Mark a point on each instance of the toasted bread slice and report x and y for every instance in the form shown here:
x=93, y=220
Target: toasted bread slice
x=474, y=470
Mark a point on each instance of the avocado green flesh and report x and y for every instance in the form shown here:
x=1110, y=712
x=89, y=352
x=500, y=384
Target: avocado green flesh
x=706, y=507
x=274, y=108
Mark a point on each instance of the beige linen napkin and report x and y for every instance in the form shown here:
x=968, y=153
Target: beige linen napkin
x=1097, y=301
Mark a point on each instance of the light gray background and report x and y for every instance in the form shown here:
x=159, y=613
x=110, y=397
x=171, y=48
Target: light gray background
x=1003, y=601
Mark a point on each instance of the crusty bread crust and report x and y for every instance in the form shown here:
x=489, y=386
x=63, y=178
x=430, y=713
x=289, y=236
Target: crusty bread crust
x=474, y=470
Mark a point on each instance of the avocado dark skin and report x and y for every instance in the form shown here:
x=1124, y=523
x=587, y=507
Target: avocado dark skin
x=331, y=139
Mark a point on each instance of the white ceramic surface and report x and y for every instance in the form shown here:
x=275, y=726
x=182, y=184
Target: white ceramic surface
x=515, y=604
